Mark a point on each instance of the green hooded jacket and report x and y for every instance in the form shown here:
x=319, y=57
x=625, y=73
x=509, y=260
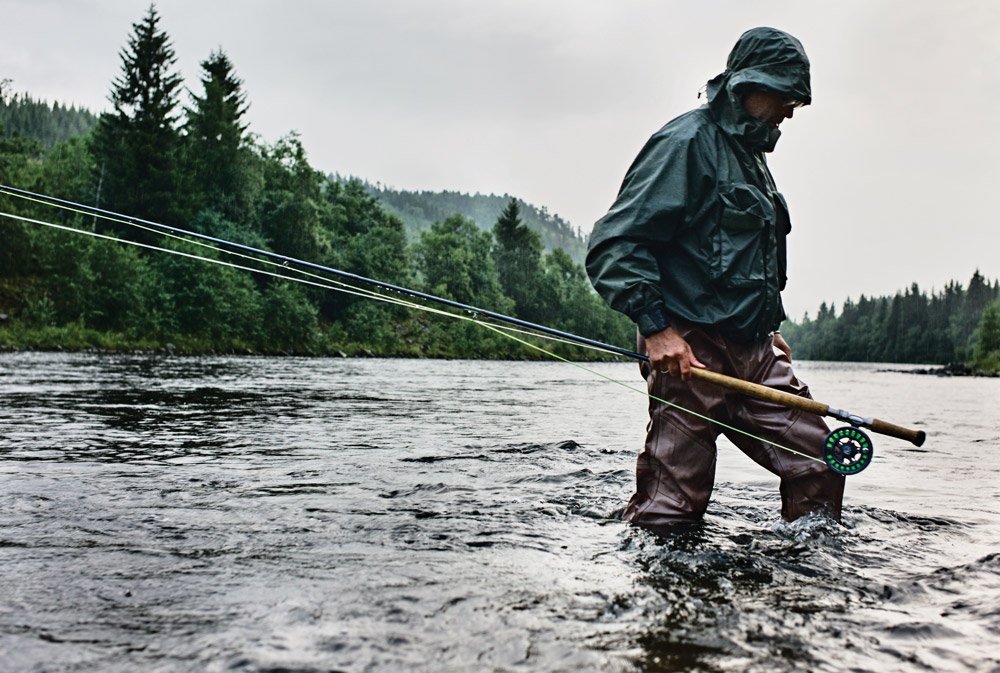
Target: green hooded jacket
x=698, y=229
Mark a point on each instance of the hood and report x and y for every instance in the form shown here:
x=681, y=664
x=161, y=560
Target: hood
x=763, y=58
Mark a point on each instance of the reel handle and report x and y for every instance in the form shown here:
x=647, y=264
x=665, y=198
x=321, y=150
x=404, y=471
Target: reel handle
x=915, y=437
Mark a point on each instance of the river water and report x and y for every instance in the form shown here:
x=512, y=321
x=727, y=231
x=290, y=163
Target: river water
x=294, y=514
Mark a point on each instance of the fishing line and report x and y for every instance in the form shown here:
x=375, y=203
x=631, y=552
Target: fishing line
x=328, y=284
x=655, y=397
x=131, y=223
x=180, y=253
x=338, y=286
x=195, y=238
x=355, y=290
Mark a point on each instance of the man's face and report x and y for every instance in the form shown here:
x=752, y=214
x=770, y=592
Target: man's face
x=769, y=107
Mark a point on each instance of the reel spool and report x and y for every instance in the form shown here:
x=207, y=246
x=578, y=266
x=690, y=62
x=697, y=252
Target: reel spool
x=847, y=450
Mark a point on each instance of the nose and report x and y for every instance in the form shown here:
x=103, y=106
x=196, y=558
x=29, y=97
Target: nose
x=788, y=111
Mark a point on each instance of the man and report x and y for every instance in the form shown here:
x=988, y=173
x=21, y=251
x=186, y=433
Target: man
x=693, y=250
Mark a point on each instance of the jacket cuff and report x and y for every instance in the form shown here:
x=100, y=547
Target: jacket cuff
x=652, y=319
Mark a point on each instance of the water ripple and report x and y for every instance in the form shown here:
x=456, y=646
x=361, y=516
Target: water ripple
x=255, y=514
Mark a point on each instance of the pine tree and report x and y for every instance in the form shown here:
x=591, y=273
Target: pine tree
x=986, y=354
x=518, y=258
x=137, y=144
x=216, y=154
x=963, y=325
x=908, y=327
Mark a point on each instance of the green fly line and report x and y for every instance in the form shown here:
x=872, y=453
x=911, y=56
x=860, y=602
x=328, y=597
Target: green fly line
x=339, y=285
x=323, y=282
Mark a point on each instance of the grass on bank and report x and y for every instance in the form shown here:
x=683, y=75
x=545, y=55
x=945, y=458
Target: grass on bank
x=431, y=341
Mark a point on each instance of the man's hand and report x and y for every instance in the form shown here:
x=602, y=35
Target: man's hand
x=782, y=345
x=669, y=352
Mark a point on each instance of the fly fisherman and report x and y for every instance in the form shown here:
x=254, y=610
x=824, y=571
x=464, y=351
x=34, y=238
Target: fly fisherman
x=693, y=251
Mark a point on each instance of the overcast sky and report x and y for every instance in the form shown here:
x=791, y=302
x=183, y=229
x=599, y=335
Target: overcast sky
x=891, y=175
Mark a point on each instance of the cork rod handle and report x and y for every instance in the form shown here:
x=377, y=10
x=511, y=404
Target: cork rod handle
x=915, y=437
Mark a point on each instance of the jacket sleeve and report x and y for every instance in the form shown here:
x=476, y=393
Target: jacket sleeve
x=649, y=210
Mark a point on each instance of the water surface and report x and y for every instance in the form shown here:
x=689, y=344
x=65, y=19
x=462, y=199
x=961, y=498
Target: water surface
x=295, y=514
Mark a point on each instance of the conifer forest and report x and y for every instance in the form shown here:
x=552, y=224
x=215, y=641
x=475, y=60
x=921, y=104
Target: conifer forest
x=186, y=158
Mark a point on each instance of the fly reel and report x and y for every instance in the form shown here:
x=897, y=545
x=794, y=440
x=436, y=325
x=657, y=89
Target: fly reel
x=847, y=450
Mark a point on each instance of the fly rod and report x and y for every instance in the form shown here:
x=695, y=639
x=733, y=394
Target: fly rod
x=847, y=450
x=51, y=200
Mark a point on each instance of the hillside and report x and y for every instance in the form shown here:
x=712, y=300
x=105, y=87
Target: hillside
x=21, y=115
x=419, y=210
x=188, y=157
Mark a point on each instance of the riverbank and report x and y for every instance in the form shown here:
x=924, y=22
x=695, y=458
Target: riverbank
x=78, y=339
x=950, y=369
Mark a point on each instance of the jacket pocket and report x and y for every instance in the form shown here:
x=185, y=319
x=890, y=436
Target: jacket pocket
x=740, y=240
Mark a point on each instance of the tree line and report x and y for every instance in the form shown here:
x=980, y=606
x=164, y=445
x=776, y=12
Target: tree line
x=194, y=164
x=22, y=115
x=955, y=325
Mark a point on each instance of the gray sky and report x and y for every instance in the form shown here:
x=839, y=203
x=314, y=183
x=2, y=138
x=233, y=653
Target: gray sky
x=888, y=174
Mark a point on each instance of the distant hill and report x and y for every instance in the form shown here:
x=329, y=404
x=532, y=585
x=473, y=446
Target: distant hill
x=22, y=115
x=419, y=210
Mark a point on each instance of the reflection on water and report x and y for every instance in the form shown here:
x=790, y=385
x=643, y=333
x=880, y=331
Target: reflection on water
x=255, y=514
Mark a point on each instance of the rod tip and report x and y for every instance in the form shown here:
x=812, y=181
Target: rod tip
x=921, y=436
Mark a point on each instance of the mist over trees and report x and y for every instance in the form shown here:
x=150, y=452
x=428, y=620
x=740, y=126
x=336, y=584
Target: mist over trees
x=22, y=115
x=418, y=210
x=189, y=160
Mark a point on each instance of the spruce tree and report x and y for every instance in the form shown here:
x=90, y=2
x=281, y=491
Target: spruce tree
x=137, y=144
x=977, y=297
x=218, y=161
x=518, y=258
x=986, y=354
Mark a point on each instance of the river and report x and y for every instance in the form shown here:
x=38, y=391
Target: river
x=304, y=514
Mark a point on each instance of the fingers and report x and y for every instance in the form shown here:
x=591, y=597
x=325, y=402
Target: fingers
x=668, y=364
x=670, y=353
x=692, y=362
x=684, y=367
x=679, y=364
x=685, y=364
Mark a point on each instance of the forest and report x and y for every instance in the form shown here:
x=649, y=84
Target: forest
x=196, y=165
x=21, y=115
x=955, y=325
